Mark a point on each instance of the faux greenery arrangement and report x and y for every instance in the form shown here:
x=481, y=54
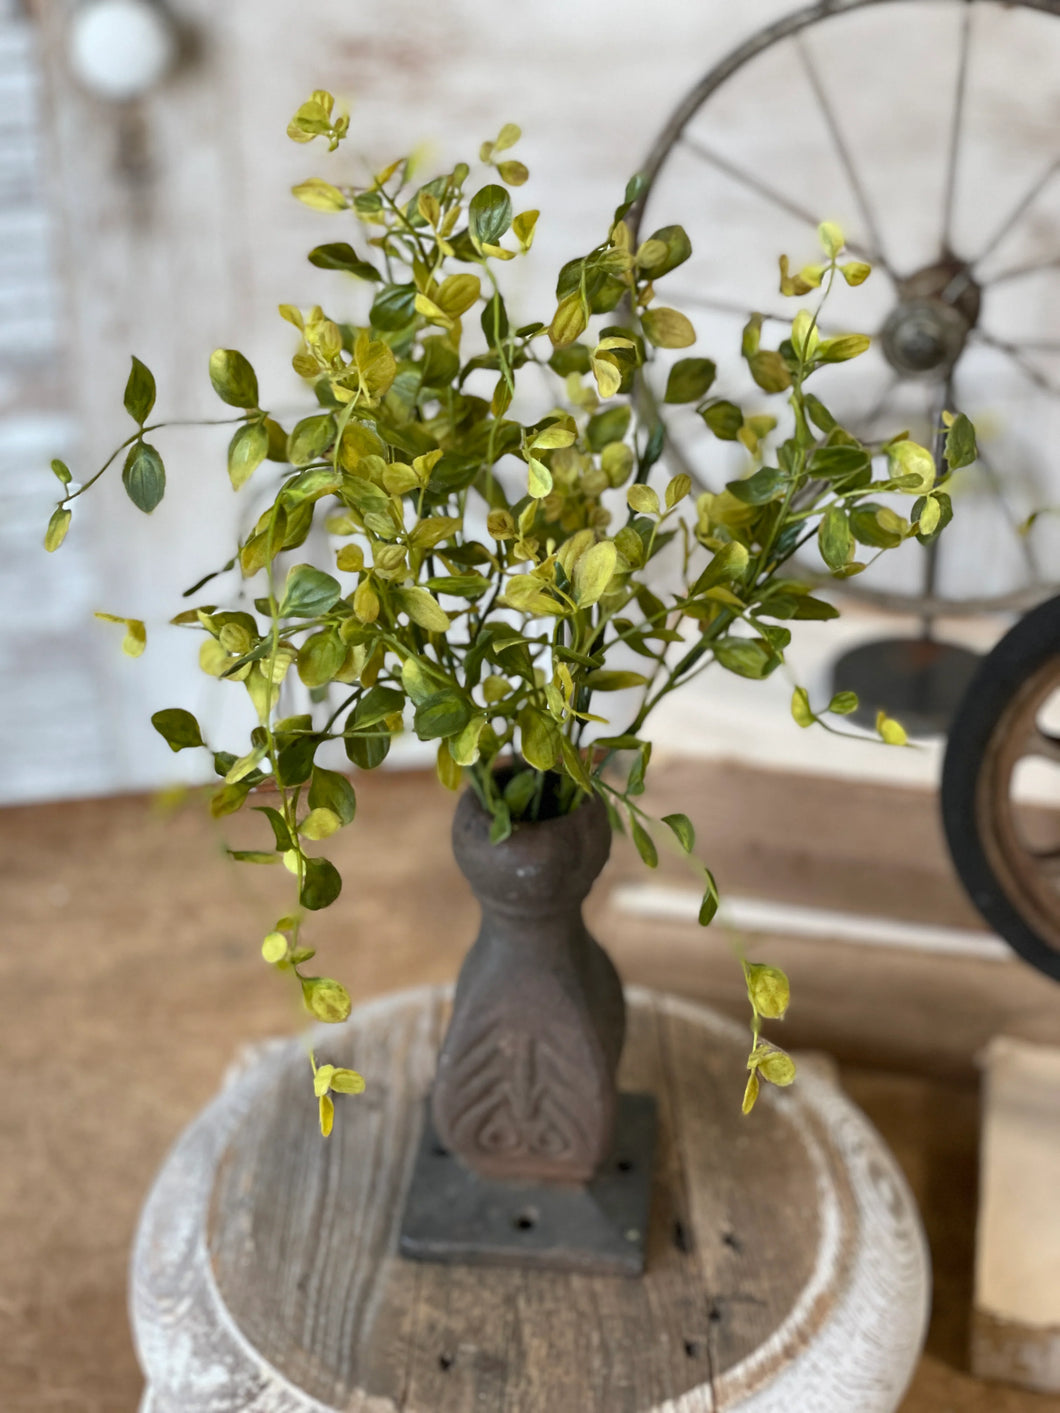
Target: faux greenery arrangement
x=492, y=576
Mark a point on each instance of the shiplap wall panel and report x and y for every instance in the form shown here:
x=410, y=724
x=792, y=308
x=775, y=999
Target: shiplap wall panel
x=194, y=243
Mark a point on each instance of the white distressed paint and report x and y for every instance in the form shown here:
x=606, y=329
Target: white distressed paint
x=860, y=1356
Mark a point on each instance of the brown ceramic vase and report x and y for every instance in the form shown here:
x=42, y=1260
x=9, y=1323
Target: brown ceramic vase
x=525, y=1088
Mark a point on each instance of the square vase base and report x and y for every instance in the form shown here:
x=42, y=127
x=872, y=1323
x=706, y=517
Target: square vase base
x=453, y=1215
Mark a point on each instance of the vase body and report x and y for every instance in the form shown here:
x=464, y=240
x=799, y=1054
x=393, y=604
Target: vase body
x=525, y=1087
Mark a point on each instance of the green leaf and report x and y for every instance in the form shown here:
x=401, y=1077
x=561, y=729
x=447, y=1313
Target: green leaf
x=233, y=379
x=321, y=885
x=489, y=214
x=320, y=657
x=281, y=833
x=746, y=657
x=393, y=308
x=341, y=256
x=876, y=525
x=367, y=752
x=144, y=476
x=961, y=449
x=831, y=461
x=945, y=506
x=295, y=761
x=765, y=485
x=422, y=608
x=645, y=844
x=246, y=451
x=607, y=427
x=683, y=830
x=178, y=728
x=835, y=539
x=308, y=592
x=379, y=702
x=310, y=439
x=440, y=715
x=57, y=528
x=667, y=328
x=843, y=348
x=724, y=419
x=606, y=680
x=709, y=905
x=139, y=392
x=329, y=790
x=690, y=379
x=769, y=371
x=62, y=471
x=677, y=249
x=540, y=738
x=843, y=703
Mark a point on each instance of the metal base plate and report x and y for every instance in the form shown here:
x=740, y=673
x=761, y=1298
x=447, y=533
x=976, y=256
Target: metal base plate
x=453, y=1215
x=918, y=681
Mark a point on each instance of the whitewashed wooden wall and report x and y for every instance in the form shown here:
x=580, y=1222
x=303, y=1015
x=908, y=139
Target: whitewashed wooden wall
x=171, y=232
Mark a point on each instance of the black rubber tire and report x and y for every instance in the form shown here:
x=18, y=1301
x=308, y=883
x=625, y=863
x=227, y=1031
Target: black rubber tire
x=1023, y=651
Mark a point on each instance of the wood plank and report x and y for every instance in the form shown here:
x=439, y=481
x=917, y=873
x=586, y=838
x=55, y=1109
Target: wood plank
x=1016, y=1328
x=301, y=1251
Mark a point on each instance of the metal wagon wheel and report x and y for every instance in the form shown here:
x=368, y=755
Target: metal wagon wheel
x=943, y=188
x=1002, y=762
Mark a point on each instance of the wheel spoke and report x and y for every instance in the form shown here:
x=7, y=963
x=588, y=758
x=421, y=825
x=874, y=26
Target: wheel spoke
x=1048, y=866
x=876, y=411
x=1017, y=272
x=1040, y=743
x=1029, y=197
x=743, y=311
x=1015, y=353
x=997, y=487
x=842, y=151
x=766, y=191
x=956, y=133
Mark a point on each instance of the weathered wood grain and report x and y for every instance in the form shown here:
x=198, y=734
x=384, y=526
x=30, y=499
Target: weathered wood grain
x=1016, y=1321
x=786, y=1267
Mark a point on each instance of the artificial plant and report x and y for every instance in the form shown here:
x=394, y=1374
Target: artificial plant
x=490, y=577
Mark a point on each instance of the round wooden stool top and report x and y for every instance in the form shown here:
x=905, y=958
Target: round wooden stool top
x=786, y=1266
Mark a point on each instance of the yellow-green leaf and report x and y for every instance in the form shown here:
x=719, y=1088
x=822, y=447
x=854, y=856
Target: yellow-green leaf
x=768, y=990
x=328, y=1000
x=327, y=1114
x=777, y=1067
x=274, y=947
x=347, y=1082
x=891, y=731
x=668, y=328
x=593, y=571
x=246, y=451
x=57, y=528
x=320, y=824
x=800, y=707
x=643, y=500
x=750, y=1094
x=320, y=195
x=539, y=479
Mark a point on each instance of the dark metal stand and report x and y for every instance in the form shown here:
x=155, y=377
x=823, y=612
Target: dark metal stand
x=920, y=681
x=453, y=1215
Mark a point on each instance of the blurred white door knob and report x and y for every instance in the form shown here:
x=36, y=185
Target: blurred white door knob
x=120, y=49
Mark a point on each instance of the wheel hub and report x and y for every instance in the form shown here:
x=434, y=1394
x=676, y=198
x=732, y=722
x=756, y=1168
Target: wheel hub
x=925, y=333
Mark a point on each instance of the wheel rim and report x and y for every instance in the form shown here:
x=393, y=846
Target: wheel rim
x=934, y=323
x=1028, y=874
